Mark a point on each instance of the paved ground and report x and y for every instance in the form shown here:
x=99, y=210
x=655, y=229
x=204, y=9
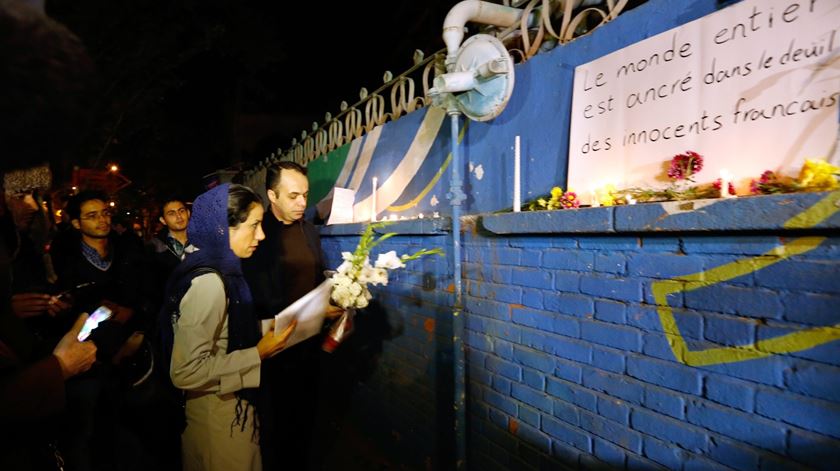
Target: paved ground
x=354, y=451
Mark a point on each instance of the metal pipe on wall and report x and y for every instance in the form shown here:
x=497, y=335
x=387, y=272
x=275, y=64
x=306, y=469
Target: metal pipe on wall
x=456, y=196
x=453, y=34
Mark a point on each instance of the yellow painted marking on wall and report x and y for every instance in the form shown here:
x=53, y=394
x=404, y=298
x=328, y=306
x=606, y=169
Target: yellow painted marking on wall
x=425, y=190
x=393, y=186
x=433, y=182
x=793, y=342
x=816, y=214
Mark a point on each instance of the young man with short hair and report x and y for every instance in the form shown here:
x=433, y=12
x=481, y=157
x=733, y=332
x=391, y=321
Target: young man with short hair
x=167, y=249
x=114, y=274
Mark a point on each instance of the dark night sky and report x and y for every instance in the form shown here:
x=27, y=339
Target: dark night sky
x=191, y=86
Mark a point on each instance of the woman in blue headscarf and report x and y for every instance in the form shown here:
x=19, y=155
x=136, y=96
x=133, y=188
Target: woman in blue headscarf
x=217, y=347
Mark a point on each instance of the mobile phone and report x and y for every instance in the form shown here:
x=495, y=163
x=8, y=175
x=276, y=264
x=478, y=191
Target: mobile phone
x=100, y=314
x=68, y=294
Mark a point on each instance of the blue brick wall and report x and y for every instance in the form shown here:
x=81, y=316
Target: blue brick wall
x=596, y=368
x=407, y=399
x=561, y=379
x=568, y=362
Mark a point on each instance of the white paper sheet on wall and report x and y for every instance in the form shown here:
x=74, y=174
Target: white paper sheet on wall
x=341, y=211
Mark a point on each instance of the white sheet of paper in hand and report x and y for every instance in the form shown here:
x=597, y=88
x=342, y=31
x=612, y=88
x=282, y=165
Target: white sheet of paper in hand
x=309, y=311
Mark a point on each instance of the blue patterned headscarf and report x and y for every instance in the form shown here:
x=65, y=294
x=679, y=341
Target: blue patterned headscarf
x=209, y=233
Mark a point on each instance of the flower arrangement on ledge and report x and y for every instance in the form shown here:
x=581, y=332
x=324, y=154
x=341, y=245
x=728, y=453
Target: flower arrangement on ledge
x=558, y=199
x=815, y=175
x=681, y=171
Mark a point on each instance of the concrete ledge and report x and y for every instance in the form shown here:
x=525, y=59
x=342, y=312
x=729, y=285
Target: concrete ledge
x=427, y=226
x=735, y=214
x=586, y=220
x=748, y=213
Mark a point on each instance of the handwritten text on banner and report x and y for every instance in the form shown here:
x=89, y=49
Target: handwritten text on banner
x=752, y=87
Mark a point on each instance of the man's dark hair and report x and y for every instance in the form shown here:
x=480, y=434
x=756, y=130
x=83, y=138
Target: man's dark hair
x=47, y=82
x=240, y=200
x=74, y=205
x=272, y=174
x=169, y=199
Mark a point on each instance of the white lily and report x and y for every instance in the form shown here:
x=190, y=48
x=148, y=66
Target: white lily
x=389, y=260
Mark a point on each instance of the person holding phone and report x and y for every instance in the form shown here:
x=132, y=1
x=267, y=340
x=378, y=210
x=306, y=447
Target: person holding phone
x=32, y=390
x=31, y=272
x=217, y=348
x=46, y=81
x=99, y=426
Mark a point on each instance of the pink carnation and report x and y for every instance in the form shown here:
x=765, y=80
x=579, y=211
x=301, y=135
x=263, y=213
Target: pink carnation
x=684, y=166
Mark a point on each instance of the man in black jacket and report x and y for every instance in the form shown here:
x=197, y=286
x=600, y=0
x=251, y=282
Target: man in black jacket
x=115, y=271
x=287, y=265
x=45, y=78
x=97, y=256
x=167, y=249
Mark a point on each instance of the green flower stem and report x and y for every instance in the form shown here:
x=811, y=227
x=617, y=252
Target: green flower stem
x=421, y=253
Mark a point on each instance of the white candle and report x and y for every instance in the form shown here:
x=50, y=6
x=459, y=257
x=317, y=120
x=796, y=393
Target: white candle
x=517, y=203
x=725, y=180
x=594, y=201
x=373, y=202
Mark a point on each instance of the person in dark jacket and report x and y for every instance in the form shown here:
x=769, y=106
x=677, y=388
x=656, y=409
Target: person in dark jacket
x=115, y=270
x=287, y=265
x=167, y=249
x=33, y=367
x=165, y=253
x=92, y=426
x=45, y=78
x=33, y=287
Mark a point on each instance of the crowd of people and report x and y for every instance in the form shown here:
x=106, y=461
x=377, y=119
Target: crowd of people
x=180, y=376
x=220, y=396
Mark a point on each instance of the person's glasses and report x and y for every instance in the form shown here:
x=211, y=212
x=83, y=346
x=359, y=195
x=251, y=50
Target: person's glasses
x=94, y=215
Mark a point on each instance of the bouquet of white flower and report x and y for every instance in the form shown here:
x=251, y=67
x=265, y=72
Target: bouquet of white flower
x=352, y=277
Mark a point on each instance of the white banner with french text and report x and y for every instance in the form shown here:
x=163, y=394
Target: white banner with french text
x=752, y=87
